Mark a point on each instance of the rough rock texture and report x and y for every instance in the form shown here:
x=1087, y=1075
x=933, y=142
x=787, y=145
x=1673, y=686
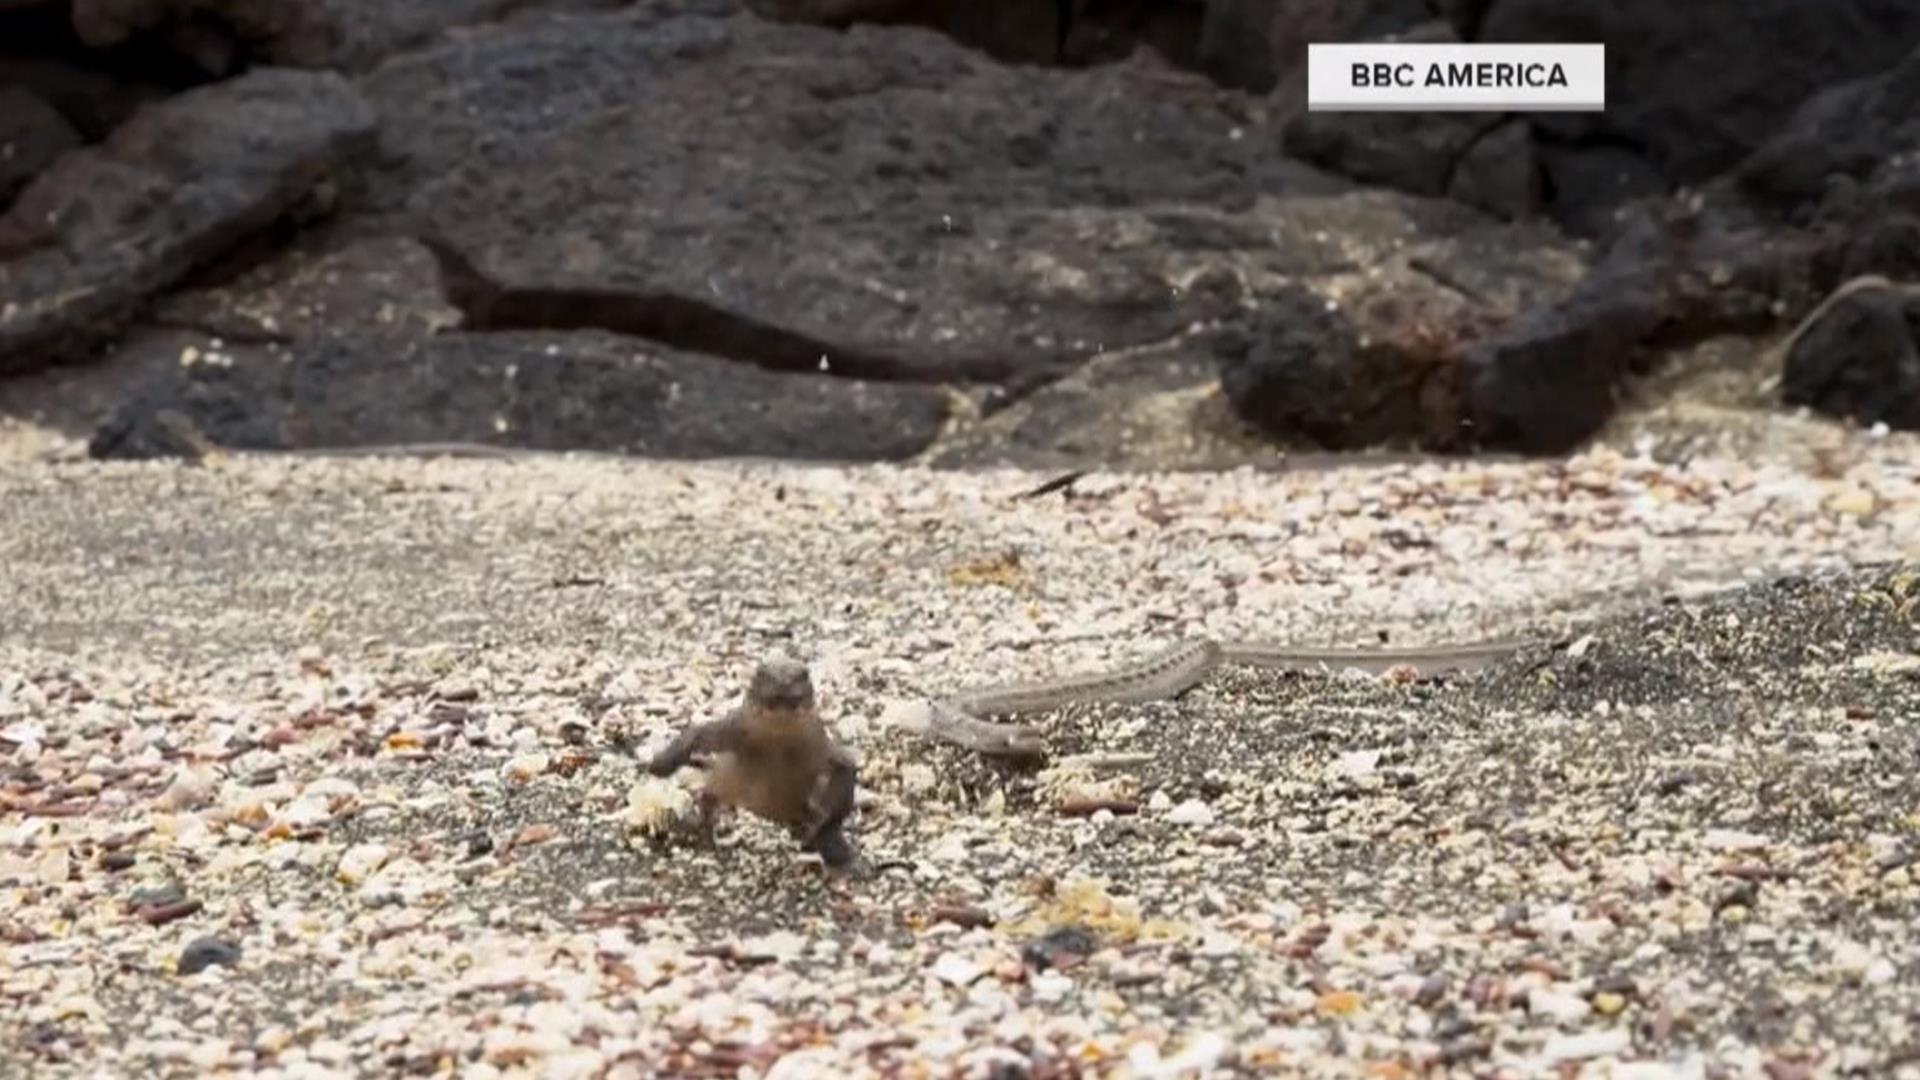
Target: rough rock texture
x=1381, y=356
x=1017, y=31
x=1860, y=360
x=1502, y=172
x=94, y=102
x=221, y=35
x=1587, y=188
x=1677, y=114
x=1421, y=278
x=355, y=345
x=1674, y=88
x=1485, y=160
x=1547, y=380
x=1830, y=197
x=94, y=237
x=1259, y=44
x=1107, y=31
x=1098, y=265
x=587, y=390
x=1410, y=151
x=1863, y=132
x=880, y=198
x=378, y=288
x=32, y=135
x=1413, y=152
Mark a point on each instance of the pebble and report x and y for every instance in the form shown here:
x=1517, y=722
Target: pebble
x=157, y=896
x=1191, y=812
x=1587, y=1045
x=1361, y=915
x=206, y=952
x=1558, y=1005
x=360, y=862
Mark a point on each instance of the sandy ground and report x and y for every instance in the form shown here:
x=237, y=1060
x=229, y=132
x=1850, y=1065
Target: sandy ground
x=320, y=768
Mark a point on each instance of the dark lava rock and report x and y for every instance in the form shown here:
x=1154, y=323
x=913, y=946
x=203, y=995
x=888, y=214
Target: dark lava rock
x=1500, y=173
x=383, y=287
x=904, y=207
x=1858, y=130
x=1697, y=87
x=1859, y=359
x=1834, y=195
x=1258, y=44
x=1389, y=357
x=1414, y=152
x=219, y=36
x=1409, y=151
x=94, y=102
x=582, y=391
x=203, y=953
x=93, y=237
x=32, y=135
x=1587, y=186
x=1303, y=369
x=1015, y=31
x=1546, y=383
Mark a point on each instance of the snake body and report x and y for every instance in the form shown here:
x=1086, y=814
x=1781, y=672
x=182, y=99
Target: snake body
x=962, y=718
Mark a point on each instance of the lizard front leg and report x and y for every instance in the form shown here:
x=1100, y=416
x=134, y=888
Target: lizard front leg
x=699, y=740
x=834, y=803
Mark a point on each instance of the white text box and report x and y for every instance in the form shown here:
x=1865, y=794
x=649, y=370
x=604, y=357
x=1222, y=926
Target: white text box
x=1493, y=77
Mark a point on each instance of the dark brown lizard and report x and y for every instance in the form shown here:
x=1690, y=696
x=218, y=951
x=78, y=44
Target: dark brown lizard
x=772, y=756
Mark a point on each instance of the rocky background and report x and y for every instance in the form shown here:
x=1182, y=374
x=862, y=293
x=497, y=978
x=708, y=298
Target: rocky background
x=1084, y=231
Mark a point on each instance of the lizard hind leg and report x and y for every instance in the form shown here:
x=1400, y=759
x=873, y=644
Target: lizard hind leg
x=833, y=847
x=708, y=810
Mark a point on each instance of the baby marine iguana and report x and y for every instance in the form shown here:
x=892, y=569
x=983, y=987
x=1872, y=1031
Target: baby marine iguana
x=773, y=757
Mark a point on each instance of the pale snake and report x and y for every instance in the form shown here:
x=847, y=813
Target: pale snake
x=961, y=718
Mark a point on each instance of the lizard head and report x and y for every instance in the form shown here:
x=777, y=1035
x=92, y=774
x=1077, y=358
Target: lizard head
x=781, y=684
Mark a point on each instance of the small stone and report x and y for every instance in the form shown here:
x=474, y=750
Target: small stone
x=1051, y=986
x=1608, y=1004
x=360, y=861
x=157, y=896
x=538, y=833
x=1432, y=989
x=1191, y=812
x=1339, y=1003
x=191, y=789
x=1355, y=765
x=527, y=766
x=1855, y=502
x=1557, y=1005
x=309, y=811
x=1732, y=840
x=405, y=741
x=1587, y=1044
x=203, y=953
x=956, y=970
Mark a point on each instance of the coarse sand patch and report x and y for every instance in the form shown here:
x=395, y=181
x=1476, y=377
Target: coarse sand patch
x=328, y=767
